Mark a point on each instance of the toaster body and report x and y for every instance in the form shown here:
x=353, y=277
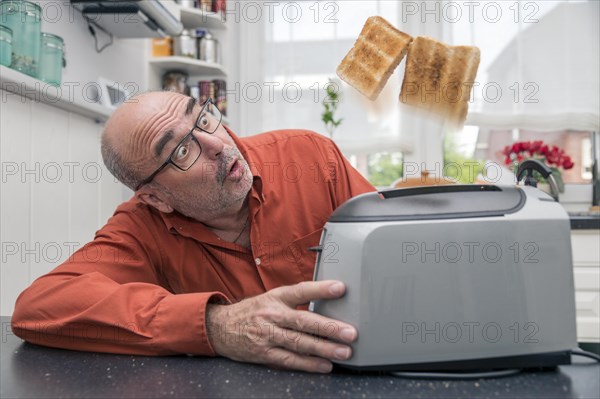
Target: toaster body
x=452, y=277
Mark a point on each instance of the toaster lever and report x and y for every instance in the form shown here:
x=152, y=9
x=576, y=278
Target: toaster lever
x=318, y=248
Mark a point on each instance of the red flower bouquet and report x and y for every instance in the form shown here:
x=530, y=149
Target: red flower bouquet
x=553, y=156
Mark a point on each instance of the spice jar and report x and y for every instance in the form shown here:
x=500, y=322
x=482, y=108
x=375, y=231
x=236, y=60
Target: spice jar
x=51, y=59
x=187, y=3
x=24, y=18
x=185, y=44
x=176, y=81
x=208, y=47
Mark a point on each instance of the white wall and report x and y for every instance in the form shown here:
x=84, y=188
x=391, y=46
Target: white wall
x=54, y=190
x=230, y=39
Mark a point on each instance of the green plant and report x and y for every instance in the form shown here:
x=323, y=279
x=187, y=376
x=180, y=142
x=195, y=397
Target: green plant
x=330, y=104
x=458, y=166
x=385, y=168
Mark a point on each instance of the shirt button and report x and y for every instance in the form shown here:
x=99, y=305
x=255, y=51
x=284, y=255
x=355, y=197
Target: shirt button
x=257, y=261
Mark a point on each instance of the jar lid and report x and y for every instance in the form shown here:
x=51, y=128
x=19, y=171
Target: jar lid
x=29, y=3
x=48, y=39
x=22, y=5
x=175, y=73
x=52, y=36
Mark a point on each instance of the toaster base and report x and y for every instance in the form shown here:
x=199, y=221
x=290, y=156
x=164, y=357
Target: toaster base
x=538, y=360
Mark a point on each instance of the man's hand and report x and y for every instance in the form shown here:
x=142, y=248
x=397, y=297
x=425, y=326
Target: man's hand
x=268, y=329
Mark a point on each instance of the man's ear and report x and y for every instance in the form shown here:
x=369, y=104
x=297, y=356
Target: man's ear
x=153, y=200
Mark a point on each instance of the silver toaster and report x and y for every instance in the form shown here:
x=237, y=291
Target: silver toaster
x=455, y=277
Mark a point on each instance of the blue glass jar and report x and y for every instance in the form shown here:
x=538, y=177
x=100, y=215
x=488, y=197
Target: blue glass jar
x=51, y=59
x=24, y=18
x=5, y=45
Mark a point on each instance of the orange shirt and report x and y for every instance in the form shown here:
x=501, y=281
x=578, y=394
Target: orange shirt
x=142, y=285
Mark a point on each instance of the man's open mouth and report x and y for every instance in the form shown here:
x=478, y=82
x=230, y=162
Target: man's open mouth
x=234, y=168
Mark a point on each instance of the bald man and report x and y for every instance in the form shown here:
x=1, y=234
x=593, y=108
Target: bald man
x=210, y=256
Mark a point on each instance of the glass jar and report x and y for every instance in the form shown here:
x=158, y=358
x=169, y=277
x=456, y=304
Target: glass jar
x=176, y=81
x=5, y=45
x=187, y=3
x=51, y=59
x=185, y=44
x=24, y=18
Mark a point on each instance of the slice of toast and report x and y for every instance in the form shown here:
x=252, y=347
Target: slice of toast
x=376, y=53
x=438, y=78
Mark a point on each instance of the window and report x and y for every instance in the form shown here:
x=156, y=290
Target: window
x=381, y=169
x=303, y=46
x=524, y=91
x=486, y=145
x=536, y=79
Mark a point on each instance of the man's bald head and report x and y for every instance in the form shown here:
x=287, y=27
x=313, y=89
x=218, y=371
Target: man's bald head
x=127, y=134
x=142, y=134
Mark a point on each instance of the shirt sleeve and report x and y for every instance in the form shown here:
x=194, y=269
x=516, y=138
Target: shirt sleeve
x=109, y=296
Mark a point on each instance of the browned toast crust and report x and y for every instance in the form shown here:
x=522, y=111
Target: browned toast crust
x=438, y=78
x=376, y=53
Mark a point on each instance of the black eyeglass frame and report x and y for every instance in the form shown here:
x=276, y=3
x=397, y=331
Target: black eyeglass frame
x=191, y=133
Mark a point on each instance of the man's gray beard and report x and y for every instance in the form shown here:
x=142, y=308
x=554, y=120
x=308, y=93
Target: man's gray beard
x=218, y=200
x=228, y=156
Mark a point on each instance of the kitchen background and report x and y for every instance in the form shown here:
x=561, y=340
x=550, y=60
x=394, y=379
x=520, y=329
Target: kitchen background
x=538, y=80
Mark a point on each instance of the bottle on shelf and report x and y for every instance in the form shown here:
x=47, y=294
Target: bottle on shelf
x=208, y=47
x=176, y=81
x=186, y=44
x=219, y=7
x=207, y=90
x=221, y=95
x=206, y=5
x=215, y=89
x=187, y=3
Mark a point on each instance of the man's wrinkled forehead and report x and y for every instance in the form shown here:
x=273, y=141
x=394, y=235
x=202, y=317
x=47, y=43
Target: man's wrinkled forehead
x=169, y=135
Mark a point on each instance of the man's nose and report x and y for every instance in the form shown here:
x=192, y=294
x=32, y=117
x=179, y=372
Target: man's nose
x=211, y=144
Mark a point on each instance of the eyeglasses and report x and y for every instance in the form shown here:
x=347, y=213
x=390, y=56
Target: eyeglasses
x=188, y=150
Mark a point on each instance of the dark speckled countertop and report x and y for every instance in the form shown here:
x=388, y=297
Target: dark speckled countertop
x=30, y=371
x=585, y=220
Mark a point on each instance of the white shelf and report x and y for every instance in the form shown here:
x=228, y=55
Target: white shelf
x=68, y=98
x=189, y=65
x=193, y=18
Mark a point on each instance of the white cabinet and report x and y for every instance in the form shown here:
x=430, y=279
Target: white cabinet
x=586, y=268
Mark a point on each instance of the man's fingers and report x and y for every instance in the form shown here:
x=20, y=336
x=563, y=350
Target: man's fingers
x=268, y=329
x=303, y=293
x=313, y=323
x=302, y=343
x=318, y=325
x=283, y=358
